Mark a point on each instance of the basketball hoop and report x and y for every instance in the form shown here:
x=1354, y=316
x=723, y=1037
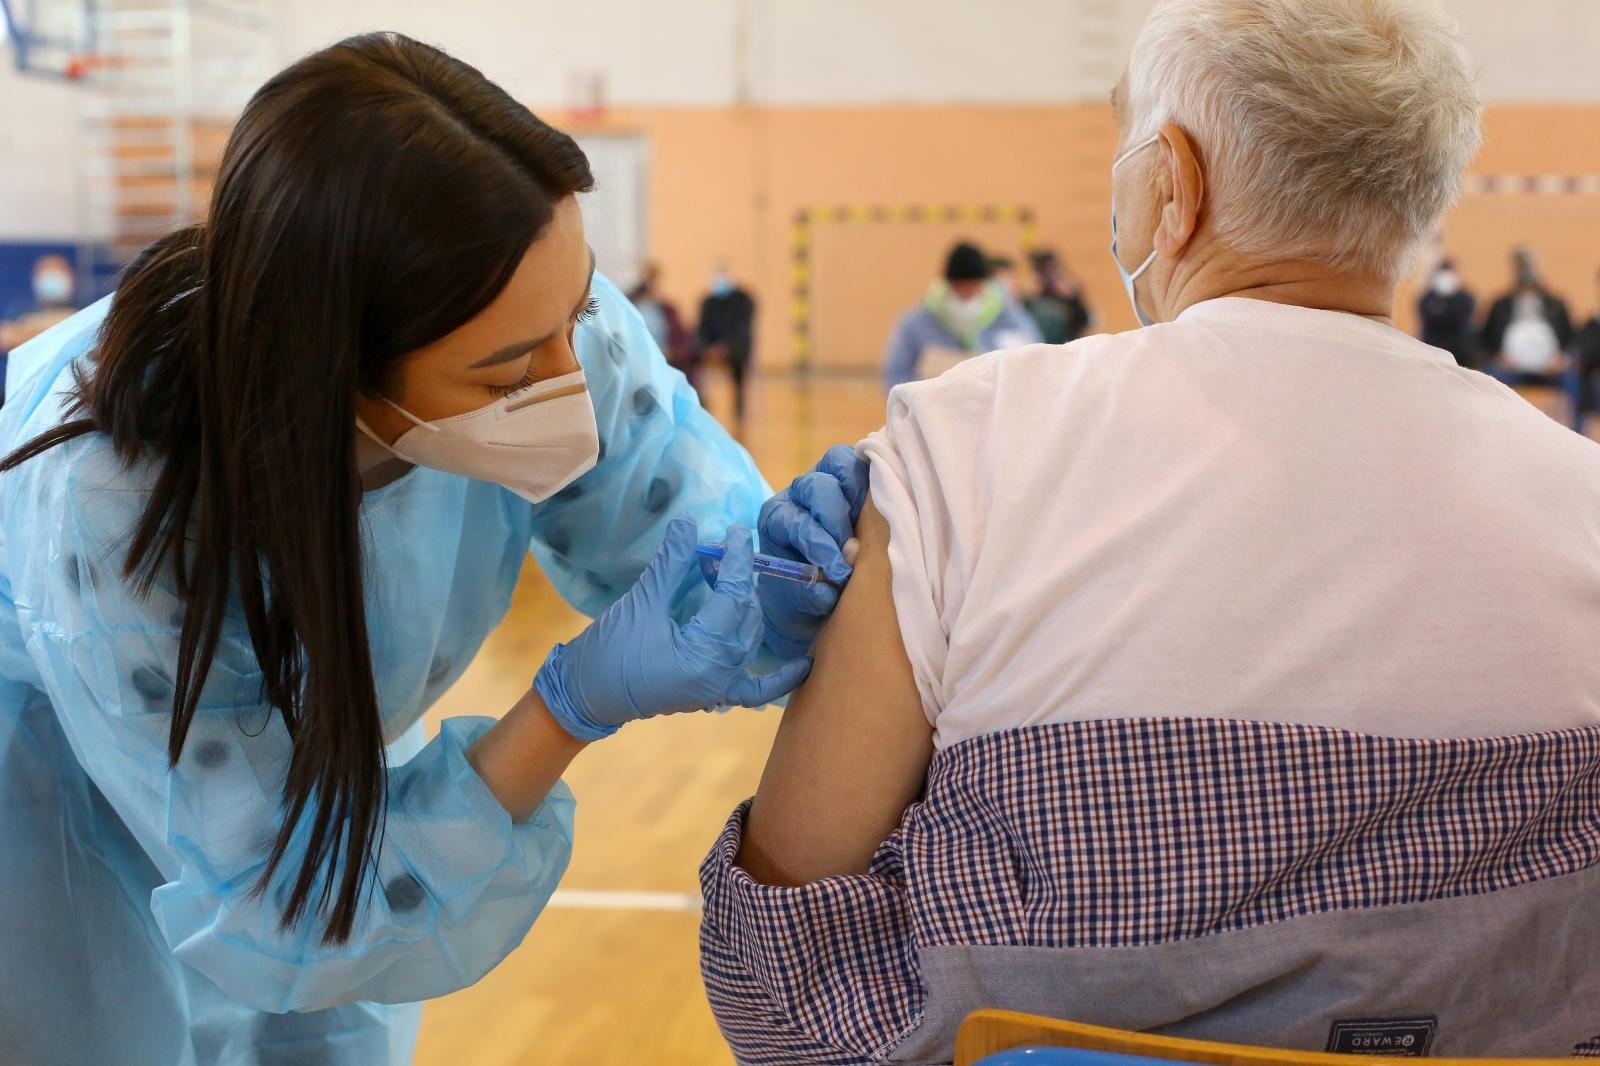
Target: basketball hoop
x=587, y=94
x=52, y=38
x=82, y=65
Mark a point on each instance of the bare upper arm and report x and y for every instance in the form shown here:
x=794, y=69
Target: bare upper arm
x=853, y=748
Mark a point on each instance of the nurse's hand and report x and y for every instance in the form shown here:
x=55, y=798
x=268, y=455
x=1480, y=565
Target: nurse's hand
x=634, y=661
x=811, y=521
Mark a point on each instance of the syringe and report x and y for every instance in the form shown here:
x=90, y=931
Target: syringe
x=768, y=566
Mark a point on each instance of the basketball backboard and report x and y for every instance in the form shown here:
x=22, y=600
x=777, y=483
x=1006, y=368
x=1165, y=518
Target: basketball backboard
x=52, y=38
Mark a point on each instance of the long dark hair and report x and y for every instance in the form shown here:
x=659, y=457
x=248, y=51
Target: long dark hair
x=374, y=197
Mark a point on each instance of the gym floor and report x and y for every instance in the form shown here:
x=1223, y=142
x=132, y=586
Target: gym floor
x=610, y=974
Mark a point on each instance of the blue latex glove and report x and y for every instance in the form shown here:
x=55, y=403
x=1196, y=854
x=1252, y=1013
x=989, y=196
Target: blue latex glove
x=634, y=661
x=811, y=521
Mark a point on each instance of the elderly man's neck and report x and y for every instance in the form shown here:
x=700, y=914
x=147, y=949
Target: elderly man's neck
x=1225, y=273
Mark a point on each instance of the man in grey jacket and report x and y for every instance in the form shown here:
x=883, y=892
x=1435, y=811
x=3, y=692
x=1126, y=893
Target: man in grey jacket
x=963, y=314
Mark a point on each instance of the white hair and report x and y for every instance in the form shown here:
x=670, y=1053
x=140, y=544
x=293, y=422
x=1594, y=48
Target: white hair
x=1333, y=131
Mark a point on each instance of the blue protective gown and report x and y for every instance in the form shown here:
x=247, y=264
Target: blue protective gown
x=127, y=932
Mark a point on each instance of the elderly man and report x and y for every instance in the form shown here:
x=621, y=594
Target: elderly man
x=1234, y=677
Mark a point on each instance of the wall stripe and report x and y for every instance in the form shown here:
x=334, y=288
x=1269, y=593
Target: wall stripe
x=1533, y=184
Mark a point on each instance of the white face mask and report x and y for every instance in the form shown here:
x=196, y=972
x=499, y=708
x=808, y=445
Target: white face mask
x=1446, y=283
x=1127, y=278
x=970, y=308
x=52, y=287
x=535, y=443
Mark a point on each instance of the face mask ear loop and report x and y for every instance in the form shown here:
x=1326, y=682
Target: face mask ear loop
x=373, y=437
x=1136, y=149
x=413, y=419
x=1127, y=278
x=1137, y=274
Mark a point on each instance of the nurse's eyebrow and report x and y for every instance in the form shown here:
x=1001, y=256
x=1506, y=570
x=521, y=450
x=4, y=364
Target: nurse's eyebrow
x=522, y=348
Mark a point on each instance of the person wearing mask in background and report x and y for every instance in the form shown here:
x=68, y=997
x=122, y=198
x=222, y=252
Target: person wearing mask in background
x=1056, y=306
x=1003, y=272
x=963, y=314
x=1586, y=367
x=665, y=324
x=1446, y=313
x=1528, y=329
x=54, y=284
x=727, y=334
x=261, y=508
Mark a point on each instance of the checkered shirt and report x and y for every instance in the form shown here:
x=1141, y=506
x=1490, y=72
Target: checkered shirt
x=1125, y=833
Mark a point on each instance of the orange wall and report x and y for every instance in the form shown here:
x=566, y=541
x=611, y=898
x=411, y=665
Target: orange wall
x=725, y=185
x=1564, y=231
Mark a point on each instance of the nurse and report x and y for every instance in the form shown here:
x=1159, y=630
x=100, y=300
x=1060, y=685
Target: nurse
x=262, y=509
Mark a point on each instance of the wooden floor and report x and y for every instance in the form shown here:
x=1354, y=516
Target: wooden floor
x=614, y=980
x=607, y=980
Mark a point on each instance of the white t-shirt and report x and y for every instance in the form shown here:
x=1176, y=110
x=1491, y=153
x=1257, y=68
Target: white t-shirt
x=1530, y=342
x=1257, y=511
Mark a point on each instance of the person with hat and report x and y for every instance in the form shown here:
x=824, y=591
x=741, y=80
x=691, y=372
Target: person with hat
x=963, y=314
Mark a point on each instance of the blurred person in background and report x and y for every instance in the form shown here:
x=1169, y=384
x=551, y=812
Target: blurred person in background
x=1528, y=329
x=665, y=324
x=54, y=286
x=1446, y=311
x=1057, y=306
x=1586, y=366
x=963, y=314
x=727, y=332
x=1003, y=272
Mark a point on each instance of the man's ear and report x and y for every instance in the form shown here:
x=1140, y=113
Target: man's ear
x=1183, y=187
